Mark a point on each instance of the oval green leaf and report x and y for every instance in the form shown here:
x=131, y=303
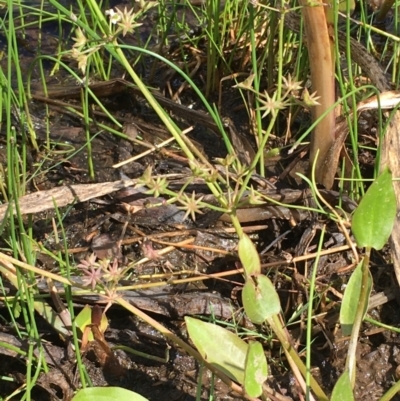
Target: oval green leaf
x=260, y=300
x=256, y=370
x=249, y=257
x=107, y=394
x=219, y=347
x=373, y=219
x=342, y=390
x=84, y=318
x=346, y=6
x=351, y=299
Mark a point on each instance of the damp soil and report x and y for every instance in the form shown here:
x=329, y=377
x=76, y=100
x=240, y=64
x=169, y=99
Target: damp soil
x=173, y=247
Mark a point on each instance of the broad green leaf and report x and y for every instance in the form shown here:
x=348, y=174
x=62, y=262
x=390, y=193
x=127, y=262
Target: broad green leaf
x=107, y=394
x=16, y=308
x=249, y=257
x=256, y=370
x=260, y=299
x=220, y=347
x=272, y=153
x=342, y=390
x=84, y=318
x=374, y=217
x=351, y=298
x=343, y=7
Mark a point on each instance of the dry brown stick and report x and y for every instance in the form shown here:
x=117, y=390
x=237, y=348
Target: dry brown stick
x=322, y=70
x=391, y=158
x=62, y=196
x=391, y=140
x=117, y=84
x=359, y=54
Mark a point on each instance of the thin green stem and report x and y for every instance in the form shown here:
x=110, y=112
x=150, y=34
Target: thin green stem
x=361, y=307
x=277, y=326
x=392, y=392
x=310, y=311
